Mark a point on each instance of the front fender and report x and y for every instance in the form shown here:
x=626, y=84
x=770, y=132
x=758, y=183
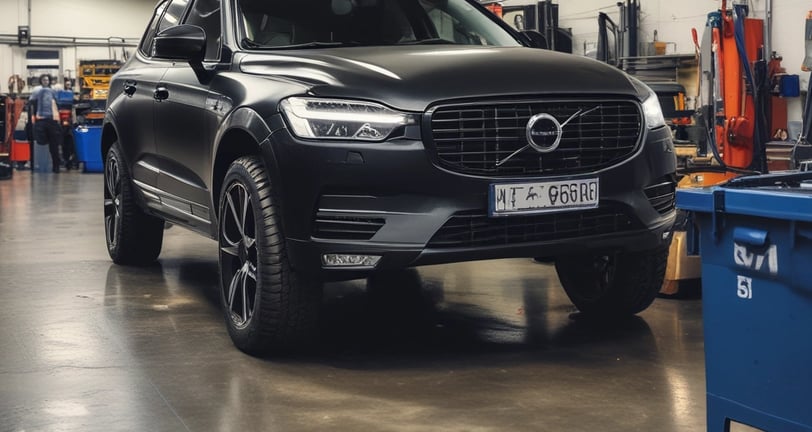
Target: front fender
x=252, y=133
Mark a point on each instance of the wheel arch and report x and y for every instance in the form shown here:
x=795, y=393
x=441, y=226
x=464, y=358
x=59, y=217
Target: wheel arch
x=109, y=136
x=243, y=133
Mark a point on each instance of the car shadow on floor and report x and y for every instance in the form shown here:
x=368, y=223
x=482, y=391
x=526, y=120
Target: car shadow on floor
x=398, y=318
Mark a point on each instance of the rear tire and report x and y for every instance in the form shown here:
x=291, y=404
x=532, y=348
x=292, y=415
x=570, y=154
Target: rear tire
x=269, y=307
x=619, y=284
x=133, y=237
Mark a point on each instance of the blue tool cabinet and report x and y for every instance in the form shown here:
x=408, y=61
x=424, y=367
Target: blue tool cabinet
x=756, y=248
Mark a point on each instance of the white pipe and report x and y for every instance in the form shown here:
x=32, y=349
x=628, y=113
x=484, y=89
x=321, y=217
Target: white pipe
x=768, y=36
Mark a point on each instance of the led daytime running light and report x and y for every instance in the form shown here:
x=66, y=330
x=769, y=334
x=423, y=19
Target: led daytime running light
x=342, y=119
x=314, y=111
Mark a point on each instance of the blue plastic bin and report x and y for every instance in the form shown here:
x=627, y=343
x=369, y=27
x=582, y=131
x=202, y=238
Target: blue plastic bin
x=88, y=147
x=756, y=246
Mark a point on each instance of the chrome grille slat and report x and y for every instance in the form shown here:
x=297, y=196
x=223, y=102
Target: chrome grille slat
x=473, y=138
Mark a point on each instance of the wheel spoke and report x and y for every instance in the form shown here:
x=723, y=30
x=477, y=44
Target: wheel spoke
x=232, y=247
x=231, y=244
x=228, y=228
x=112, y=177
x=232, y=289
x=116, y=181
x=111, y=222
x=107, y=176
x=109, y=206
x=251, y=272
x=244, y=297
x=234, y=251
x=234, y=214
x=245, y=202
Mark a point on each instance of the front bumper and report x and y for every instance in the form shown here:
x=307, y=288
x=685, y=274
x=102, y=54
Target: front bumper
x=400, y=199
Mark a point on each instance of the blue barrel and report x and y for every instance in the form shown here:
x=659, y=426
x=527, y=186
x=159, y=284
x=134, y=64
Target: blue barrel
x=88, y=147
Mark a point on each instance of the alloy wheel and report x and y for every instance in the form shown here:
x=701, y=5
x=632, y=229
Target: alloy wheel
x=112, y=200
x=239, y=257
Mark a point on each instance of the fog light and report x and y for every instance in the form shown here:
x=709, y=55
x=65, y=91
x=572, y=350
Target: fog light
x=342, y=260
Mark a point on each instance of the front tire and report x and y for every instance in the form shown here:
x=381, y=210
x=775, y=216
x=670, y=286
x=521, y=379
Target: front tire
x=269, y=307
x=133, y=237
x=619, y=284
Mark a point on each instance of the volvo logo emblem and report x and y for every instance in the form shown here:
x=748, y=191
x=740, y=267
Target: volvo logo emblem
x=544, y=133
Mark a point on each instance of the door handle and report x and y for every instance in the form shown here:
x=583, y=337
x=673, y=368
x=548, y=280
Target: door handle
x=129, y=87
x=160, y=93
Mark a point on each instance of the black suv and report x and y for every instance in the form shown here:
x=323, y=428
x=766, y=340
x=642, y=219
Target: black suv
x=331, y=139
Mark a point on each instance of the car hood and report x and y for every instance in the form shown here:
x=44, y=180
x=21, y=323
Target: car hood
x=411, y=78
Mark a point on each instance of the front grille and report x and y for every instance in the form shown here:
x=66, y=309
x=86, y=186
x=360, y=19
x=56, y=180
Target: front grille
x=468, y=229
x=662, y=196
x=345, y=227
x=473, y=138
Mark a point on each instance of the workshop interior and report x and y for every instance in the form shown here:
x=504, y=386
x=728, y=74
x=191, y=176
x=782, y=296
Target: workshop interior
x=405, y=215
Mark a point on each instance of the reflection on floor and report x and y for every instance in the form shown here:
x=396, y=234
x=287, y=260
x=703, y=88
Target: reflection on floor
x=484, y=346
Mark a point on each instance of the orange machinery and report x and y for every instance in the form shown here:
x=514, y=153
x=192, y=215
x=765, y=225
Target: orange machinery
x=733, y=124
x=736, y=115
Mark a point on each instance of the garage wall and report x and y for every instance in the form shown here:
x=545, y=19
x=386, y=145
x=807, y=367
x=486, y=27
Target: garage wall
x=673, y=20
x=86, y=18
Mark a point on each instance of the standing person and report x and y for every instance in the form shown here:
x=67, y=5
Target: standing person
x=46, y=128
x=67, y=119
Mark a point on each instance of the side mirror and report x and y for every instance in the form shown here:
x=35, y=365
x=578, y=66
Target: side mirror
x=535, y=39
x=182, y=42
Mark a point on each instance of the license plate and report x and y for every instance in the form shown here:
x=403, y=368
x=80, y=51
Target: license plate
x=543, y=197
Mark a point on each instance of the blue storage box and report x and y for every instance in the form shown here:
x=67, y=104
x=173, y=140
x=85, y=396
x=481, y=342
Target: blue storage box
x=755, y=241
x=88, y=147
x=64, y=98
x=790, y=86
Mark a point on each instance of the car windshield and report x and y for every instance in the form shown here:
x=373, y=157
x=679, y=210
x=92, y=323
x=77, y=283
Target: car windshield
x=323, y=23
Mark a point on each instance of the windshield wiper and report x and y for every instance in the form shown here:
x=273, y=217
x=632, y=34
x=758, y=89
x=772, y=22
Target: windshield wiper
x=433, y=41
x=315, y=44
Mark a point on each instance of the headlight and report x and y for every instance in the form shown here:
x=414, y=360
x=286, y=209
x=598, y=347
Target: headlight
x=653, y=112
x=342, y=119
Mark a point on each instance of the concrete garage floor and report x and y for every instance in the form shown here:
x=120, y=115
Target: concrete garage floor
x=86, y=345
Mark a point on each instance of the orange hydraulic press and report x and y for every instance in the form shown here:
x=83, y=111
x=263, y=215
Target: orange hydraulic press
x=733, y=110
